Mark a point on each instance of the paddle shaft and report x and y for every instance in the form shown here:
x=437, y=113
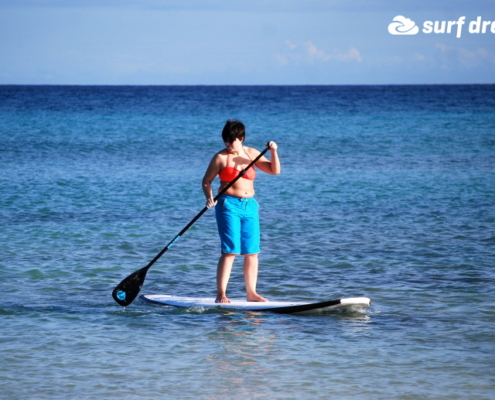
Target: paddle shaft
x=127, y=290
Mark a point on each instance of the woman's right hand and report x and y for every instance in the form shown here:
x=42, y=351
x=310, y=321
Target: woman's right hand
x=210, y=202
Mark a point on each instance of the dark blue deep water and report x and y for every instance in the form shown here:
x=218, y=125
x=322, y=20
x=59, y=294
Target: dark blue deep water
x=386, y=192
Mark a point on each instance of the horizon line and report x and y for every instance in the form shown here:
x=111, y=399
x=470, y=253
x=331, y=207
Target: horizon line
x=244, y=85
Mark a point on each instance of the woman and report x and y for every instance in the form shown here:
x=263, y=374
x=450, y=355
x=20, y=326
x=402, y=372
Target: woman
x=236, y=210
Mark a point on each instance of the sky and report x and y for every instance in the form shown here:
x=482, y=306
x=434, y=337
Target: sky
x=247, y=42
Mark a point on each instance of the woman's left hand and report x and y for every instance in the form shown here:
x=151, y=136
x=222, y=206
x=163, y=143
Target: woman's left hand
x=272, y=146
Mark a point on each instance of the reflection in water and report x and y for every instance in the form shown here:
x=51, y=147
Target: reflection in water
x=244, y=349
x=251, y=349
x=240, y=333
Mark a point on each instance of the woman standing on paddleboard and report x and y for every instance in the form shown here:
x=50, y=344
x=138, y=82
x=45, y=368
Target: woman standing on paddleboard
x=236, y=210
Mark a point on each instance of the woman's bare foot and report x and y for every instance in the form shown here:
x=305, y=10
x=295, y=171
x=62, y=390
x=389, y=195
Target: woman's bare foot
x=256, y=297
x=222, y=299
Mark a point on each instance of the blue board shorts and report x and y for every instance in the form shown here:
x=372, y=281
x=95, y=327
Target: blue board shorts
x=238, y=224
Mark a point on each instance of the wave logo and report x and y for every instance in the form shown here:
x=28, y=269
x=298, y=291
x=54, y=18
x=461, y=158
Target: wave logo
x=403, y=26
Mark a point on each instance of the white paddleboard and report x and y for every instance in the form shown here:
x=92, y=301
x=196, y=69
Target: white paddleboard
x=282, y=307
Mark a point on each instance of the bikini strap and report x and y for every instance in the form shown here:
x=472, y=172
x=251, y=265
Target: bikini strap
x=227, y=164
x=247, y=153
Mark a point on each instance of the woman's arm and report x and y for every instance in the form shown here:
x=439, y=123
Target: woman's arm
x=211, y=172
x=270, y=167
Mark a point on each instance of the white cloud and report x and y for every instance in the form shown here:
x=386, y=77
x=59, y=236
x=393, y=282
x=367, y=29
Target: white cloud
x=352, y=54
x=290, y=45
x=281, y=59
x=314, y=54
x=451, y=55
x=308, y=52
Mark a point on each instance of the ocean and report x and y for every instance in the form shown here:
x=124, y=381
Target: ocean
x=386, y=192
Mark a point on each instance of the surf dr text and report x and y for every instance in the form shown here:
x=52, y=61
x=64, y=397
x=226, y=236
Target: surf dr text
x=476, y=26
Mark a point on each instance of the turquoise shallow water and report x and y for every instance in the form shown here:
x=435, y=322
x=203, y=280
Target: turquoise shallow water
x=386, y=192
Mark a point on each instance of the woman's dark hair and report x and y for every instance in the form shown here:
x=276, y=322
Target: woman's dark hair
x=233, y=129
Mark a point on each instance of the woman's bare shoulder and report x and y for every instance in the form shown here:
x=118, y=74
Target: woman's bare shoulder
x=221, y=154
x=252, y=152
x=219, y=158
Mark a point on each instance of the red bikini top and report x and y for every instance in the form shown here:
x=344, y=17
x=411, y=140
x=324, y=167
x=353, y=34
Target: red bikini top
x=228, y=174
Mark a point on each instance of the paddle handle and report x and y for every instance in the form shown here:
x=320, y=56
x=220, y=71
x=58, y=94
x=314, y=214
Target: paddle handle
x=186, y=228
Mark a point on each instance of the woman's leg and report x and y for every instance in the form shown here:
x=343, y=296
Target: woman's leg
x=251, y=277
x=223, y=274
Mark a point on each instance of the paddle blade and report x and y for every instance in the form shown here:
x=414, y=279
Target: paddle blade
x=127, y=290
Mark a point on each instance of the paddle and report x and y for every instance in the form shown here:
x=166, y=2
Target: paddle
x=127, y=290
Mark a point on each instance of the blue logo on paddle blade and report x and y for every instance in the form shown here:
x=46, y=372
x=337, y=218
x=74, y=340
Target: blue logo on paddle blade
x=121, y=295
